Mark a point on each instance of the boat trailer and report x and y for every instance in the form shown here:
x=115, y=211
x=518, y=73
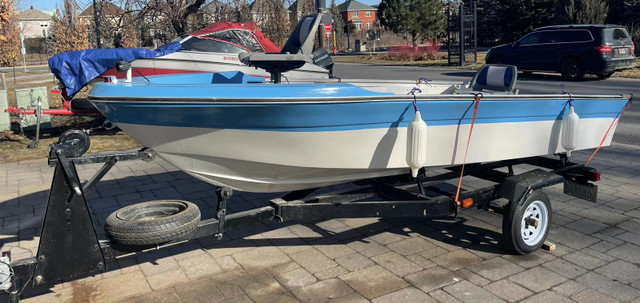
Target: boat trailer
x=69, y=247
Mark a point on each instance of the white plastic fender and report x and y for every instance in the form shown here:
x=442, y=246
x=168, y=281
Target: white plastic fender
x=417, y=144
x=570, y=127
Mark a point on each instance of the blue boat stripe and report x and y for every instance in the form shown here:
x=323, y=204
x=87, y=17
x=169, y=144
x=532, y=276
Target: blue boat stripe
x=348, y=116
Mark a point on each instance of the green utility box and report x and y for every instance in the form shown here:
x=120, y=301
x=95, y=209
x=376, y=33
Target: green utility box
x=28, y=98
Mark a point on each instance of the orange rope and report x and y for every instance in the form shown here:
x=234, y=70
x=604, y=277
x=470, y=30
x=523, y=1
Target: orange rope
x=613, y=123
x=473, y=121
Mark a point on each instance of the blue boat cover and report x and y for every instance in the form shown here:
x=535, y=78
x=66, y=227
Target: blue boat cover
x=76, y=68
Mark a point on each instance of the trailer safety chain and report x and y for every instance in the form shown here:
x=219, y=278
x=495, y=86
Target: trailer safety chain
x=478, y=96
x=613, y=123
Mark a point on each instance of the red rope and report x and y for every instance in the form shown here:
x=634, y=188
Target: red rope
x=613, y=123
x=473, y=121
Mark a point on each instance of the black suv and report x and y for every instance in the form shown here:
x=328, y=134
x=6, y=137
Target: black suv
x=572, y=50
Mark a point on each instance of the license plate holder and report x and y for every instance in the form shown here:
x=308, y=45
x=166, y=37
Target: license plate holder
x=622, y=51
x=585, y=191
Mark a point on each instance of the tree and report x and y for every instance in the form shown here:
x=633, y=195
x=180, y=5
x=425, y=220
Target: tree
x=519, y=17
x=9, y=33
x=272, y=17
x=176, y=12
x=583, y=11
x=338, y=23
x=489, y=22
x=417, y=20
x=69, y=31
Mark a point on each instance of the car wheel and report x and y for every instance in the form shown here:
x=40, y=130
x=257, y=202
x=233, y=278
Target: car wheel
x=604, y=75
x=571, y=69
x=494, y=60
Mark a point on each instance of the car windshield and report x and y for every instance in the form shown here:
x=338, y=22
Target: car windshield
x=616, y=35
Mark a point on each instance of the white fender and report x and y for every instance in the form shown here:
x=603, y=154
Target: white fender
x=570, y=128
x=417, y=144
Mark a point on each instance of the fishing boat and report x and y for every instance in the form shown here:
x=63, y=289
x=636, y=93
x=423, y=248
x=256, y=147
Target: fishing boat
x=237, y=132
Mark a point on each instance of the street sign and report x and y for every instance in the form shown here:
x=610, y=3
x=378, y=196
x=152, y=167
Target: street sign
x=327, y=28
x=327, y=34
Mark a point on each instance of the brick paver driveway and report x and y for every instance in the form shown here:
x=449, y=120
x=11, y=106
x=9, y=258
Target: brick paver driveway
x=345, y=260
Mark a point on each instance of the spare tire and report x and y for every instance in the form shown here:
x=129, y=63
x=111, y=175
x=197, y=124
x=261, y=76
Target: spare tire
x=152, y=222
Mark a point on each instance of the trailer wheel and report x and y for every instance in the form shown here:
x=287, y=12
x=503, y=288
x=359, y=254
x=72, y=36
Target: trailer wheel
x=152, y=222
x=525, y=227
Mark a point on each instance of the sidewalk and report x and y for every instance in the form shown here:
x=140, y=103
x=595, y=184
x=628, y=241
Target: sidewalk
x=345, y=260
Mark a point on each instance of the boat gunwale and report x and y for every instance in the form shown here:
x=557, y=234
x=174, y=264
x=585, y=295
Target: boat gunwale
x=357, y=99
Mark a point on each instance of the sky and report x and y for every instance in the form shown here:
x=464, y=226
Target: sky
x=49, y=5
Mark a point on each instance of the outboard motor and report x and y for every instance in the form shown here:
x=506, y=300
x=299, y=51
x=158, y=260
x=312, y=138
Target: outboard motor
x=321, y=58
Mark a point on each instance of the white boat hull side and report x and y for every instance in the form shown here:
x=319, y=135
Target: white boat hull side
x=270, y=161
x=217, y=63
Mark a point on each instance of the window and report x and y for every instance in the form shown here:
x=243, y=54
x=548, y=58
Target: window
x=210, y=45
x=565, y=36
x=354, y=14
x=615, y=34
x=358, y=26
x=530, y=39
x=368, y=25
x=367, y=13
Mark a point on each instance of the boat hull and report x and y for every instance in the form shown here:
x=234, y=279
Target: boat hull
x=272, y=144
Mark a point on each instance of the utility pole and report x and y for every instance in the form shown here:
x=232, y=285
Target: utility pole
x=321, y=6
x=97, y=9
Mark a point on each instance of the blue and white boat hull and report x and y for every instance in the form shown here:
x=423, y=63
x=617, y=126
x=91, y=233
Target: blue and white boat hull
x=276, y=139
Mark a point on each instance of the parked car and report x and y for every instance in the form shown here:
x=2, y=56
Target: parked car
x=572, y=50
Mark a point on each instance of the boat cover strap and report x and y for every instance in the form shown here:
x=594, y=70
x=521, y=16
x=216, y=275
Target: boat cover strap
x=606, y=134
x=77, y=68
x=464, y=161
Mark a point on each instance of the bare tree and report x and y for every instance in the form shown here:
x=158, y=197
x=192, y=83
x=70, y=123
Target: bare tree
x=272, y=17
x=178, y=13
x=9, y=33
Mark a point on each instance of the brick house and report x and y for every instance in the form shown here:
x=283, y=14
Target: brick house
x=361, y=15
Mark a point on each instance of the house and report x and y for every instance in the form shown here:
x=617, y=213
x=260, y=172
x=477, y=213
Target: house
x=361, y=15
x=109, y=10
x=34, y=23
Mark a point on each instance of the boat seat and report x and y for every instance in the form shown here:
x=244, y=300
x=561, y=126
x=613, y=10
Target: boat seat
x=495, y=78
x=296, y=52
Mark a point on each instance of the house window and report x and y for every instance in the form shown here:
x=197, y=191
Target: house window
x=367, y=13
x=368, y=25
x=354, y=14
x=358, y=26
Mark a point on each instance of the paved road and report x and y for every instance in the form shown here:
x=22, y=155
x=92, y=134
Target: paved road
x=344, y=260
x=628, y=131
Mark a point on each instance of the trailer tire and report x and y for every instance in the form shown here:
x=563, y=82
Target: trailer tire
x=517, y=234
x=152, y=222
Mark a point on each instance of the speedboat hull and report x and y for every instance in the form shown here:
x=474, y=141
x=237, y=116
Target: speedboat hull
x=278, y=137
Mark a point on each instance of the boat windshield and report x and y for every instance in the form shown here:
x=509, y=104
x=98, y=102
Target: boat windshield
x=210, y=45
